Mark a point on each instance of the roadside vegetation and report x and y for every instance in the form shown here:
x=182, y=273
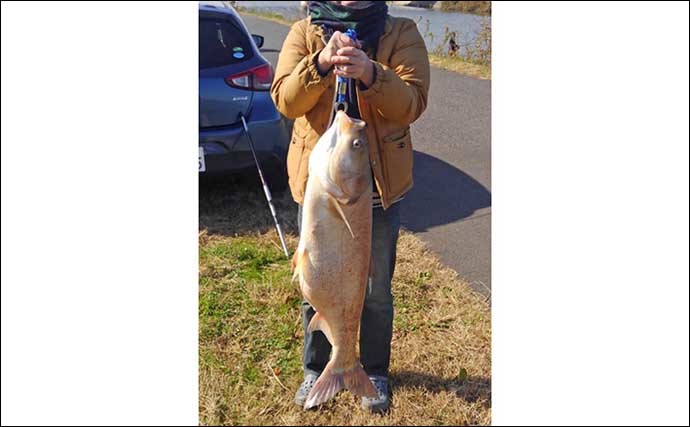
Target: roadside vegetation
x=473, y=7
x=471, y=58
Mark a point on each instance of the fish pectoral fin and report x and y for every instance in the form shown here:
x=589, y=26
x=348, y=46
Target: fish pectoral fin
x=318, y=323
x=339, y=209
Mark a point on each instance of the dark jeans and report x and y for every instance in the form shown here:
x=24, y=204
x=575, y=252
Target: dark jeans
x=376, y=328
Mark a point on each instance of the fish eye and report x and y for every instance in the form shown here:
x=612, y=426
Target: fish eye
x=357, y=143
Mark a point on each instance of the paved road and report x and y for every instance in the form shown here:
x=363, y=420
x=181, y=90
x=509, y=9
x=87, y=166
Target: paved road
x=450, y=205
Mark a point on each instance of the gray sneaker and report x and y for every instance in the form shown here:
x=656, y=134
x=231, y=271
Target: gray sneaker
x=304, y=389
x=383, y=401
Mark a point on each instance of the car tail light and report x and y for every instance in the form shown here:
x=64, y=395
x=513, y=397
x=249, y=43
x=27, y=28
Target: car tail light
x=257, y=78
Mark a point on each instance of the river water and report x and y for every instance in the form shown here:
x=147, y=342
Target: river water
x=432, y=24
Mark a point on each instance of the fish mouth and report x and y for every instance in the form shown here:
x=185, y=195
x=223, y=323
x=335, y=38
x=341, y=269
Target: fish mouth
x=350, y=122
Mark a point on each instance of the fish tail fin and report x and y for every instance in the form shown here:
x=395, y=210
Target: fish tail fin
x=326, y=387
x=358, y=382
x=332, y=380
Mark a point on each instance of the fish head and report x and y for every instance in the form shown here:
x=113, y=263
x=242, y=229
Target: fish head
x=349, y=167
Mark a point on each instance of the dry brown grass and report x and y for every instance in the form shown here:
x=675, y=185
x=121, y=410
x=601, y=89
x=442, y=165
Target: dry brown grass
x=460, y=66
x=251, y=337
x=474, y=7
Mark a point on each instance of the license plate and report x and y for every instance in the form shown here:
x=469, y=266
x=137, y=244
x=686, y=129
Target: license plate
x=202, y=160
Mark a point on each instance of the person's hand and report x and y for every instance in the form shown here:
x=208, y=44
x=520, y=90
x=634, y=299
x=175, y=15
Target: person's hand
x=351, y=62
x=338, y=40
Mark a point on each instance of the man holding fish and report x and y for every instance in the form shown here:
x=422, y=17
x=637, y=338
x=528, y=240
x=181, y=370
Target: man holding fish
x=348, y=171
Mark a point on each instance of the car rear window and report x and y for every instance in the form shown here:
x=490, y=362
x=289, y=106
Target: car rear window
x=221, y=43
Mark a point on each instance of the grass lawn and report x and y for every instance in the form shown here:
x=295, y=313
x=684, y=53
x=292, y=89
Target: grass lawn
x=250, y=334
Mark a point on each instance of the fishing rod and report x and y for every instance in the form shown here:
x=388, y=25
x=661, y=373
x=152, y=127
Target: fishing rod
x=267, y=191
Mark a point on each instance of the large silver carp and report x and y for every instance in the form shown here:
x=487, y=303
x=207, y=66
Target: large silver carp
x=332, y=261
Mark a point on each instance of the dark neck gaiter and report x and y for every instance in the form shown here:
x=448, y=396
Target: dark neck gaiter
x=368, y=18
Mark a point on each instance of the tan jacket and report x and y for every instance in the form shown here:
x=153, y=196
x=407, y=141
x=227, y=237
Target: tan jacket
x=397, y=98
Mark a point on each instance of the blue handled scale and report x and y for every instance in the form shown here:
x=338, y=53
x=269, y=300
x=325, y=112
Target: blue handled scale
x=342, y=84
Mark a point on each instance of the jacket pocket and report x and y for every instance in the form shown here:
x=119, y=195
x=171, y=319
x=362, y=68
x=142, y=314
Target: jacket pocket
x=295, y=163
x=398, y=162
